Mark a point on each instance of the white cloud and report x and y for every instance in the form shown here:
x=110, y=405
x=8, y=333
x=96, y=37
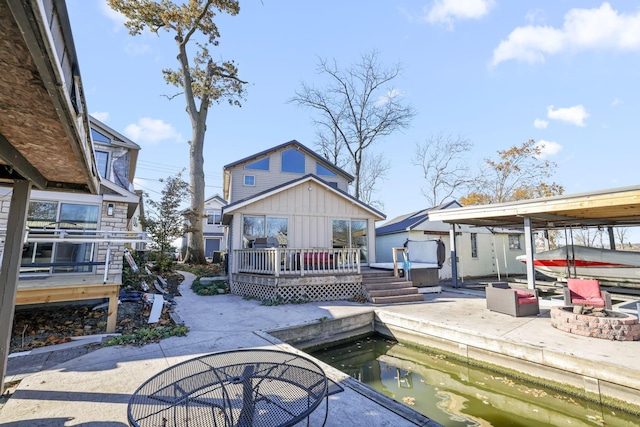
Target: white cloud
x=575, y=115
x=117, y=18
x=388, y=97
x=103, y=116
x=447, y=11
x=540, y=124
x=535, y=15
x=152, y=131
x=616, y=102
x=548, y=148
x=583, y=29
x=135, y=49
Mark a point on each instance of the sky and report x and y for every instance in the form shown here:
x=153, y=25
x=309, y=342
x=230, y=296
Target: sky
x=497, y=73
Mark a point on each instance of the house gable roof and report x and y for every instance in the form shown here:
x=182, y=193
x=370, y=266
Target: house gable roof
x=228, y=210
x=412, y=220
x=217, y=198
x=296, y=144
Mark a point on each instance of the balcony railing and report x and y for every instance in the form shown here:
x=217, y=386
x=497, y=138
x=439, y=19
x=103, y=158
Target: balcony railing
x=298, y=262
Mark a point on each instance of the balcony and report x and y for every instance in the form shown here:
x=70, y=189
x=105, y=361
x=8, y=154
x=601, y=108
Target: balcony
x=298, y=262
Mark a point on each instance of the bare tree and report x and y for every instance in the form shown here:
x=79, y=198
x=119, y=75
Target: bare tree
x=519, y=174
x=621, y=234
x=444, y=166
x=358, y=107
x=588, y=236
x=203, y=80
x=374, y=169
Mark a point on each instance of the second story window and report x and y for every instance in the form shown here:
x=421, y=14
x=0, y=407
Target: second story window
x=100, y=137
x=213, y=218
x=322, y=171
x=102, y=160
x=249, y=180
x=292, y=161
x=259, y=165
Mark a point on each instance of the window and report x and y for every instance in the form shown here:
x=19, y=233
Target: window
x=99, y=137
x=474, y=245
x=322, y=171
x=333, y=185
x=514, y=241
x=351, y=234
x=292, y=161
x=213, y=217
x=249, y=180
x=60, y=257
x=260, y=165
x=254, y=226
x=102, y=159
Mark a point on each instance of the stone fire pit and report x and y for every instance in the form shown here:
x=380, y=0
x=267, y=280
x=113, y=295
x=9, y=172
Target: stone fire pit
x=605, y=324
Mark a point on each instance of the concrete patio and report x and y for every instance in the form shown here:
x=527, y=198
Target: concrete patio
x=94, y=388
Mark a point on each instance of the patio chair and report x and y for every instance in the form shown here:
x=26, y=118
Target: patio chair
x=586, y=292
x=503, y=299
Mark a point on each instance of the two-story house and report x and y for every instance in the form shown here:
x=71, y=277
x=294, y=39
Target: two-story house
x=77, y=240
x=294, y=230
x=215, y=236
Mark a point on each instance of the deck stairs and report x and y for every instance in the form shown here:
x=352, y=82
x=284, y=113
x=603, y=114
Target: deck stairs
x=383, y=288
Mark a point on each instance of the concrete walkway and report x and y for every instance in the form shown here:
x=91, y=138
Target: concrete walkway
x=94, y=388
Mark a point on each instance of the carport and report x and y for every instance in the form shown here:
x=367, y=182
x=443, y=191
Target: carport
x=44, y=129
x=617, y=207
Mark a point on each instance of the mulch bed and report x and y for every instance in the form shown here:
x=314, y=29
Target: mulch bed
x=49, y=324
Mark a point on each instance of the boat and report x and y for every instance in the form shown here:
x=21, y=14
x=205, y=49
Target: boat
x=621, y=268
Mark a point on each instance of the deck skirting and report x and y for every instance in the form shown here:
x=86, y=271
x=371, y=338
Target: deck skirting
x=298, y=289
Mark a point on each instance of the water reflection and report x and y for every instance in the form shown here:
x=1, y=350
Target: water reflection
x=458, y=395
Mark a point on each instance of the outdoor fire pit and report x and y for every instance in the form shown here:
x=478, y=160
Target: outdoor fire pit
x=596, y=323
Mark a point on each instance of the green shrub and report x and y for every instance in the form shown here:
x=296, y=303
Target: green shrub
x=149, y=335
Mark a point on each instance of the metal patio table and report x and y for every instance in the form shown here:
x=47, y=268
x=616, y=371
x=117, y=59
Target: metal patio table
x=247, y=387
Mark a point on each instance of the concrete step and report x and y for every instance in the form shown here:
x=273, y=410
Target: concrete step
x=397, y=299
x=387, y=285
x=368, y=280
x=393, y=292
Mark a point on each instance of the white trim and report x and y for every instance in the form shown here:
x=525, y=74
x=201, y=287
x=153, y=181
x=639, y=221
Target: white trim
x=376, y=215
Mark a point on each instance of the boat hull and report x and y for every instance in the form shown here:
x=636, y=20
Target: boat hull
x=621, y=268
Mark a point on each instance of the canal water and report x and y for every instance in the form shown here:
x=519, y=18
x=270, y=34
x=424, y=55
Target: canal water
x=456, y=394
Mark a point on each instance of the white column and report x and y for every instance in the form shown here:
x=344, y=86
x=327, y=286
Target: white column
x=530, y=250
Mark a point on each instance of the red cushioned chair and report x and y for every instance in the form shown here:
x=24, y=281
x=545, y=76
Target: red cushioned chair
x=586, y=292
x=514, y=302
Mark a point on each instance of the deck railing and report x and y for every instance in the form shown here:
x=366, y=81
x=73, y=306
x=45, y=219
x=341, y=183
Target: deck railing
x=300, y=262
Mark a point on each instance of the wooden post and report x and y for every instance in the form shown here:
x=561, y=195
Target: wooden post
x=10, y=268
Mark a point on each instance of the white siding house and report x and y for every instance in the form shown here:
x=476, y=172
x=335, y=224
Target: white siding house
x=215, y=235
x=77, y=240
x=482, y=252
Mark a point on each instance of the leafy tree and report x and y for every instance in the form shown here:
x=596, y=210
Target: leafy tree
x=203, y=80
x=164, y=219
x=444, y=166
x=519, y=174
x=357, y=108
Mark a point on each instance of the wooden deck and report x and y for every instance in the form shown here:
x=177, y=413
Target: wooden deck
x=75, y=287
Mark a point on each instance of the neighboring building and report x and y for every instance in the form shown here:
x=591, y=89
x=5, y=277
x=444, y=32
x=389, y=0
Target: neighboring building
x=215, y=236
x=290, y=215
x=482, y=251
x=61, y=214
